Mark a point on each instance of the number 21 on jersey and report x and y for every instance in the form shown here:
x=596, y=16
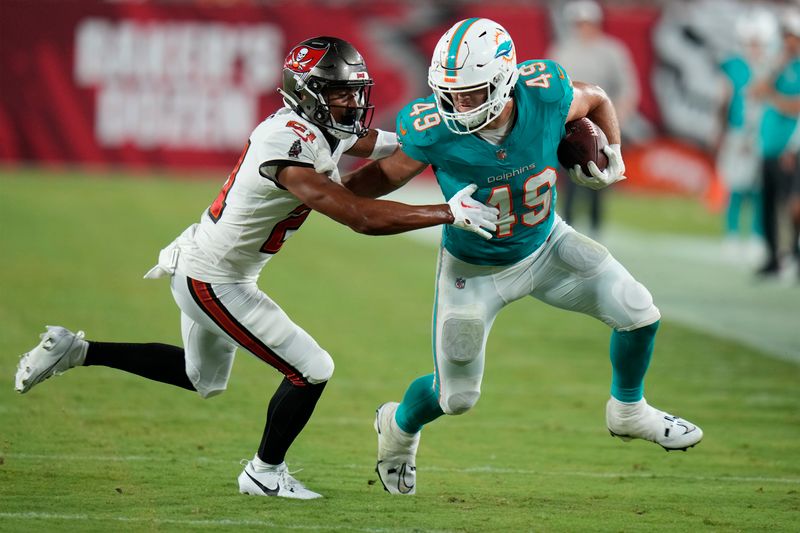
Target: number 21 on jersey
x=537, y=197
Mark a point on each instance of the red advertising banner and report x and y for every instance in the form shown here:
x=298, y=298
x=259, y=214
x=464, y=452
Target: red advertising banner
x=182, y=84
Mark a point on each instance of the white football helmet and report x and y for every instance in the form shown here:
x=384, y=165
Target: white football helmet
x=474, y=54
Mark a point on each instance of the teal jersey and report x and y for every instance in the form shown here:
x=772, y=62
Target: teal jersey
x=517, y=176
x=738, y=72
x=777, y=128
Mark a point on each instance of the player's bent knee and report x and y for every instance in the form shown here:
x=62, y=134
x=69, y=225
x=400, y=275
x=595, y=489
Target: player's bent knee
x=638, y=304
x=321, y=370
x=462, y=339
x=460, y=402
x=206, y=388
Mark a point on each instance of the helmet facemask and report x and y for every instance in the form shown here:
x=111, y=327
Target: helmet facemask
x=353, y=120
x=471, y=120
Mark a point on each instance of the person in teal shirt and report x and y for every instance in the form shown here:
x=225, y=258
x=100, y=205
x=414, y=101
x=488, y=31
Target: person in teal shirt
x=738, y=157
x=495, y=124
x=781, y=97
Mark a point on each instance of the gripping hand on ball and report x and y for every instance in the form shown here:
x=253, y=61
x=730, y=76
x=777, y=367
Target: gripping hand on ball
x=470, y=214
x=599, y=179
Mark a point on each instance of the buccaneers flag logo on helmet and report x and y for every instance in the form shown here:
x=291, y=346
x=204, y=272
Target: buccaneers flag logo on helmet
x=303, y=58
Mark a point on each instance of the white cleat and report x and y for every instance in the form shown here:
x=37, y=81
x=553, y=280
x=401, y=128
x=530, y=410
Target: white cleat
x=59, y=350
x=641, y=421
x=278, y=482
x=397, y=452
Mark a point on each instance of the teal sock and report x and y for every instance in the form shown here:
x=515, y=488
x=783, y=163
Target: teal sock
x=630, y=356
x=733, y=213
x=420, y=405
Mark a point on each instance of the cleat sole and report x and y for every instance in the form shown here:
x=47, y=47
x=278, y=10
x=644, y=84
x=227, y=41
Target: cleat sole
x=626, y=438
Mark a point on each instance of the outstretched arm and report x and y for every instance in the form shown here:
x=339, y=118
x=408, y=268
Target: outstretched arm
x=382, y=217
x=383, y=176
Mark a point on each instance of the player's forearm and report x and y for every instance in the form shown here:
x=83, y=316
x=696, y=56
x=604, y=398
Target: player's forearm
x=387, y=218
x=605, y=116
x=593, y=102
x=369, y=181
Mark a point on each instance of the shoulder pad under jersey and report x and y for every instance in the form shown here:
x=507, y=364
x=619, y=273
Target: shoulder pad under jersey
x=287, y=138
x=544, y=80
x=420, y=126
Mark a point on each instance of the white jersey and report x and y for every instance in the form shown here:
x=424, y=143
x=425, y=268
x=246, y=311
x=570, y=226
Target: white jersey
x=253, y=214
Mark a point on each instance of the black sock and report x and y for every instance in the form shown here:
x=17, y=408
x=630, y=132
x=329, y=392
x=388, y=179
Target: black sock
x=156, y=361
x=287, y=415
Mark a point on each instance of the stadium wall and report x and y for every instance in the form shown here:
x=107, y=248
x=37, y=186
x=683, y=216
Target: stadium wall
x=179, y=85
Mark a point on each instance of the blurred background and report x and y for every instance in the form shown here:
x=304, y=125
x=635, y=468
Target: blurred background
x=180, y=83
x=176, y=86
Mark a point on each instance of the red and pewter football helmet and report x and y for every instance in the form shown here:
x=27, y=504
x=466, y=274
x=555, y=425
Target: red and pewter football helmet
x=322, y=63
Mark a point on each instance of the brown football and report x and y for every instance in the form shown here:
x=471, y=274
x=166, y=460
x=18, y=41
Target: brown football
x=583, y=142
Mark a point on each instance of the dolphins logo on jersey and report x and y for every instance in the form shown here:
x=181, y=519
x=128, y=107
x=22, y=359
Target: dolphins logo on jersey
x=303, y=58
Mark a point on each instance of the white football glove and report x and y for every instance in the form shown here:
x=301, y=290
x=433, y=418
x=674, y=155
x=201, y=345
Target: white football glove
x=600, y=179
x=470, y=214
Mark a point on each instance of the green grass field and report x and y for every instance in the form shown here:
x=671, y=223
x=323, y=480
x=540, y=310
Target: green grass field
x=97, y=449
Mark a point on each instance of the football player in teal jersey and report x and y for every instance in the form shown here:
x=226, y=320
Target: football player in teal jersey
x=780, y=94
x=495, y=124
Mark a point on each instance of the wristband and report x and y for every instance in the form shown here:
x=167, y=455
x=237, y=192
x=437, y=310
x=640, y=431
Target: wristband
x=385, y=144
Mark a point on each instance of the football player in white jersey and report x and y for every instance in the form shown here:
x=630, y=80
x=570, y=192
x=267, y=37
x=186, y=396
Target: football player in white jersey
x=288, y=168
x=497, y=123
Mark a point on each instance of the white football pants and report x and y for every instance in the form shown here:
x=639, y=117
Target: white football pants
x=570, y=271
x=218, y=317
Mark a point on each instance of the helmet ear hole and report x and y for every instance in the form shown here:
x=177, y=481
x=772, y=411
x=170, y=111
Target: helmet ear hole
x=321, y=115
